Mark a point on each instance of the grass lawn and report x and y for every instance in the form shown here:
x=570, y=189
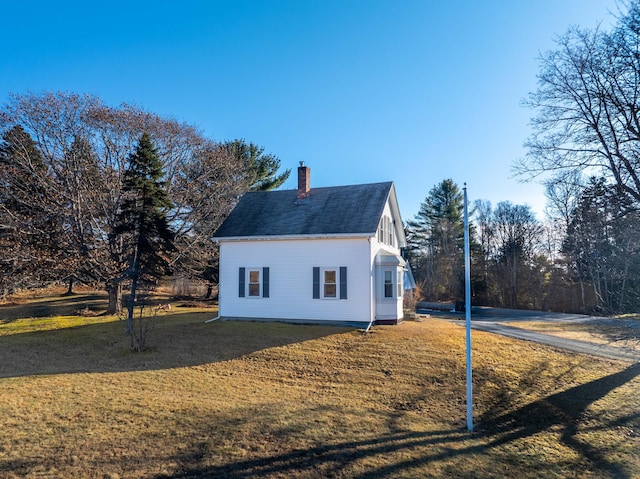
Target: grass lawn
x=622, y=332
x=241, y=400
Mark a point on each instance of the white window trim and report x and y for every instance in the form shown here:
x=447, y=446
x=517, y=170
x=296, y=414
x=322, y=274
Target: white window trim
x=387, y=231
x=337, y=283
x=384, y=283
x=248, y=283
x=397, y=285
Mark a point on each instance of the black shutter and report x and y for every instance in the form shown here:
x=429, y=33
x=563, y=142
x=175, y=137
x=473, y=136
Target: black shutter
x=241, y=275
x=265, y=282
x=343, y=282
x=316, y=282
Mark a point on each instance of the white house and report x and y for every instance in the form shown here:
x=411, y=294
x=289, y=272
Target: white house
x=314, y=255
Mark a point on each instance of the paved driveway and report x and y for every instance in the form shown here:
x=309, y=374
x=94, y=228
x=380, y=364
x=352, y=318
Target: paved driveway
x=495, y=320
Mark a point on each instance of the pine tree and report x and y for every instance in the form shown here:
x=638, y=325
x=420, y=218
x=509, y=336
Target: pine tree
x=142, y=222
x=29, y=223
x=260, y=168
x=603, y=245
x=436, y=242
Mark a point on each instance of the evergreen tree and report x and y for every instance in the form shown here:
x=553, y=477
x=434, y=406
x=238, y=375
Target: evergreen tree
x=436, y=242
x=142, y=221
x=23, y=173
x=260, y=168
x=81, y=182
x=66, y=182
x=30, y=225
x=603, y=246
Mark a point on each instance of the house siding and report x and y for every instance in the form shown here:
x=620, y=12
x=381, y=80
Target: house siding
x=291, y=264
x=385, y=308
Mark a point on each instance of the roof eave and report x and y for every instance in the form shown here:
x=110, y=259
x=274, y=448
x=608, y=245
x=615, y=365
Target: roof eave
x=294, y=237
x=393, y=202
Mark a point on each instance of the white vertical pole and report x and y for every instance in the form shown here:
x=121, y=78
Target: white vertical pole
x=467, y=308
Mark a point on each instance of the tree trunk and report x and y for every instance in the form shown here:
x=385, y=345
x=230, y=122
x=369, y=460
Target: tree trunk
x=209, y=291
x=114, y=290
x=70, y=287
x=132, y=302
x=135, y=273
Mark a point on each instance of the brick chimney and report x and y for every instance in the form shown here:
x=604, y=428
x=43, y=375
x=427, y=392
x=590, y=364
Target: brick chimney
x=304, y=184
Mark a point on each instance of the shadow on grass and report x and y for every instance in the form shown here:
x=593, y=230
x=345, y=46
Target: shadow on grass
x=563, y=411
x=177, y=340
x=324, y=460
x=58, y=306
x=450, y=451
x=616, y=330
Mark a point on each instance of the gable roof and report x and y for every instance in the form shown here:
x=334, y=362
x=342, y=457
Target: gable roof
x=337, y=210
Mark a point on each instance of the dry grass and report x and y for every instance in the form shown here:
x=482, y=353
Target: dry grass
x=621, y=332
x=239, y=400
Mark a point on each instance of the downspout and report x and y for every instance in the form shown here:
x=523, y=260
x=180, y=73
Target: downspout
x=217, y=317
x=372, y=290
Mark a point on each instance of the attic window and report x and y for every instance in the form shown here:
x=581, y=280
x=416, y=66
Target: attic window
x=385, y=232
x=382, y=232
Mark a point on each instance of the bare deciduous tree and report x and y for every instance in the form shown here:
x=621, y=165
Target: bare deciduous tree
x=516, y=235
x=588, y=106
x=83, y=146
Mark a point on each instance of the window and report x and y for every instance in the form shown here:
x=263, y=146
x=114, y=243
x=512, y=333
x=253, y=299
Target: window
x=330, y=282
x=388, y=284
x=392, y=283
x=329, y=286
x=385, y=233
x=254, y=282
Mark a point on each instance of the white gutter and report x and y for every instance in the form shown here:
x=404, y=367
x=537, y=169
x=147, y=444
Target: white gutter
x=212, y=319
x=294, y=237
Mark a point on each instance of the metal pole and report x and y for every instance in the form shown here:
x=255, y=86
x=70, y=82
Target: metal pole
x=467, y=308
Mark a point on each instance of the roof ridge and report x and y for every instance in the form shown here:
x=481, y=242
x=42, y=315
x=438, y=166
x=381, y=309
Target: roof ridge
x=330, y=187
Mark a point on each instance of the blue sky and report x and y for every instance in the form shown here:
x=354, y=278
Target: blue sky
x=413, y=91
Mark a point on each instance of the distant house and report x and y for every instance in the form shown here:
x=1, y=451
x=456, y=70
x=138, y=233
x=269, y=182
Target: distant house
x=314, y=255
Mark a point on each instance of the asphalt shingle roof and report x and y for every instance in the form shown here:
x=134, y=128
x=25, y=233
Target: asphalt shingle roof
x=354, y=209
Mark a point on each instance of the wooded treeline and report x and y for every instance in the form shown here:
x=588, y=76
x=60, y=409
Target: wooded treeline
x=585, y=144
x=586, y=258
x=63, y=162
